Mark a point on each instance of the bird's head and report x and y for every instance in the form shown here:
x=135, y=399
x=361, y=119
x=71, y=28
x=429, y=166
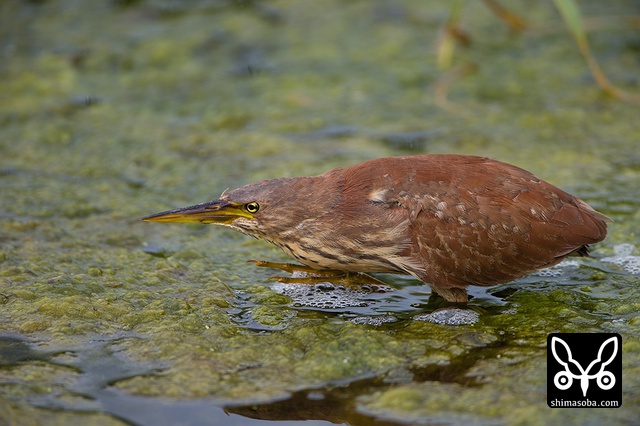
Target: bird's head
x=262, y=209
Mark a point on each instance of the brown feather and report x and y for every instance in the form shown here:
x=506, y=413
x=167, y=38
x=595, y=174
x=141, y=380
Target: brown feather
x=475, y=221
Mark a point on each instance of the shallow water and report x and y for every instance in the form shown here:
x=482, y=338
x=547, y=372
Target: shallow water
x=112, y=111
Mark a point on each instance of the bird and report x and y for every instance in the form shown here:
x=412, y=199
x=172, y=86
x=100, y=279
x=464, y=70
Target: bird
x=449, y=220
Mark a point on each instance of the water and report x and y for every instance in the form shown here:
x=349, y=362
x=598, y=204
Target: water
x=117, y=110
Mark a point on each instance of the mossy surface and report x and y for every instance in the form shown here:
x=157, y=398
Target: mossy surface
x=110, y=111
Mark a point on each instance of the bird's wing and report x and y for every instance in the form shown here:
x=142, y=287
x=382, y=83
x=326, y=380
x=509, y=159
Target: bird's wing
x=478, y=221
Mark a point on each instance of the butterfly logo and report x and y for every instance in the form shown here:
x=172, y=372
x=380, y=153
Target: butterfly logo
x=564, y=379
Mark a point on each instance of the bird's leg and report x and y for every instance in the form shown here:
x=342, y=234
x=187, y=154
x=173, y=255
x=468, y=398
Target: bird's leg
x=451, y=294
x=306, y=275
x=294, y=267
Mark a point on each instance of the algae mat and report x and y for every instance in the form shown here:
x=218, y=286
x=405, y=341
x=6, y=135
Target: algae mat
x=110, y=111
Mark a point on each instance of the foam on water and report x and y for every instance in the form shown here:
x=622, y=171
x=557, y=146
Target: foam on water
x=450, y=316
x=556, y=270
x=374, y=321
x=623, y=256
x=329, y=296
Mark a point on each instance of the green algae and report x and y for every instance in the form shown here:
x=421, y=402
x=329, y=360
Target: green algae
x=110, y=113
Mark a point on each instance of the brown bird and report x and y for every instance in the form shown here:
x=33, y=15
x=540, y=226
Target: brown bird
x=448, y=220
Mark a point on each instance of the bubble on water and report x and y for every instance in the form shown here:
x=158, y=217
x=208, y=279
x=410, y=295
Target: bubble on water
x=625, y=249
x=327, y=295
x=556, y=270
x=450, y=316
x=625, y=258
x=552, y=272
x=374, y=321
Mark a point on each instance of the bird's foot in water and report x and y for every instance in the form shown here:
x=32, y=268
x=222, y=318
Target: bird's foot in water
x=301, y=274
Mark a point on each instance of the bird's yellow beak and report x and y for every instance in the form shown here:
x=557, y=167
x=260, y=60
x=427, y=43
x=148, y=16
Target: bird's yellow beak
x=216, y=211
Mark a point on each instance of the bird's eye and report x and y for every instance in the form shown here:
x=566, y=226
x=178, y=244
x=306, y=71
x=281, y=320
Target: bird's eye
x=252, y=207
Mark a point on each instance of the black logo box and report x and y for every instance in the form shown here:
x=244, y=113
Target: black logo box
x=584, y=370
